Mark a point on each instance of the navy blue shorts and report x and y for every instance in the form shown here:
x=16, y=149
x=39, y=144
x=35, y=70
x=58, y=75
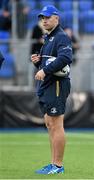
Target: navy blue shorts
x=53, y=100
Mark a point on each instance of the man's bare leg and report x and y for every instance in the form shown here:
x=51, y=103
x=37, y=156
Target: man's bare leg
x=57, y=137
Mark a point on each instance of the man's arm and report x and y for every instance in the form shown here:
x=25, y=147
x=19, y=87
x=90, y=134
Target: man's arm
x=64, y=55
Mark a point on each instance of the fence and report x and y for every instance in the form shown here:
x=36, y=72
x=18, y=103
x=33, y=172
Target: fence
x=17, y=73
x=19, y=43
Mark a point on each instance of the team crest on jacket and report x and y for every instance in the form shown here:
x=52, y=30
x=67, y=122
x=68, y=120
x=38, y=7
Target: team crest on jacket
x=51, y=38
x=53, y=110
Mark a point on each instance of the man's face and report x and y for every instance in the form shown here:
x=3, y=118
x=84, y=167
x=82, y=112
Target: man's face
x=49, y=22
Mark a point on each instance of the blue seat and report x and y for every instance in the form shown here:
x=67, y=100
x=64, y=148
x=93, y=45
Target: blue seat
x=33, y=18
x=4, y=48
x=89, y=28
x=86, y=22
x=66, y=19
x=85, y=5
x=4, y=35
x=46, y=2
x=8, y=67
x=65, y=5
x=32, y=4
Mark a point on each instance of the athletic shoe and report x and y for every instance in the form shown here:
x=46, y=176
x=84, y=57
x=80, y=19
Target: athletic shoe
x=45, y=169
x=56, y=170
x=50, y=169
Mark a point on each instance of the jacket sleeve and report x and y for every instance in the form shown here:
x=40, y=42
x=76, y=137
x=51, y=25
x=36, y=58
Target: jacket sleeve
x=1, y=59
x=64, y=54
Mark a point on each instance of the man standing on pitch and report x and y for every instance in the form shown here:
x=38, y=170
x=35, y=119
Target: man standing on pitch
x=53, y=86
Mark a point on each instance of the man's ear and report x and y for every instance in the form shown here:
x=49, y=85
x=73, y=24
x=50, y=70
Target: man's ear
x=57, y=17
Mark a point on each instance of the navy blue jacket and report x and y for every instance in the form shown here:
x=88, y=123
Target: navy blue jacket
x=56, y=44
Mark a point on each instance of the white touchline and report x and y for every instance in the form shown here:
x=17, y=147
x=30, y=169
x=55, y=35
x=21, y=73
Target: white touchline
x=20, y=143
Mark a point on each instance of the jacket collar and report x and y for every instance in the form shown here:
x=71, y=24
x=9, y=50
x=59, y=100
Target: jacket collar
x=47, y=36
x=54, y=31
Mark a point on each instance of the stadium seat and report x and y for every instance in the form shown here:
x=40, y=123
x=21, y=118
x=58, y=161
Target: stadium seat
x=47, y=2
x=66, y=19
x=4, y=35
x=32, y=4
x=85, y=5
x=4, y=41
x=65, y=5
x=32, y=18
x=89, y=28
x=4, y=48
x=86, y=22
x=8, y=67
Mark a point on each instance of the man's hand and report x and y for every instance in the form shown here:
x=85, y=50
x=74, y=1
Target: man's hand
x=40, y=75
x=35, y=58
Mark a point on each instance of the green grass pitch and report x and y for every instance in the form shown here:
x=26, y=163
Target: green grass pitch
x=21, y=153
